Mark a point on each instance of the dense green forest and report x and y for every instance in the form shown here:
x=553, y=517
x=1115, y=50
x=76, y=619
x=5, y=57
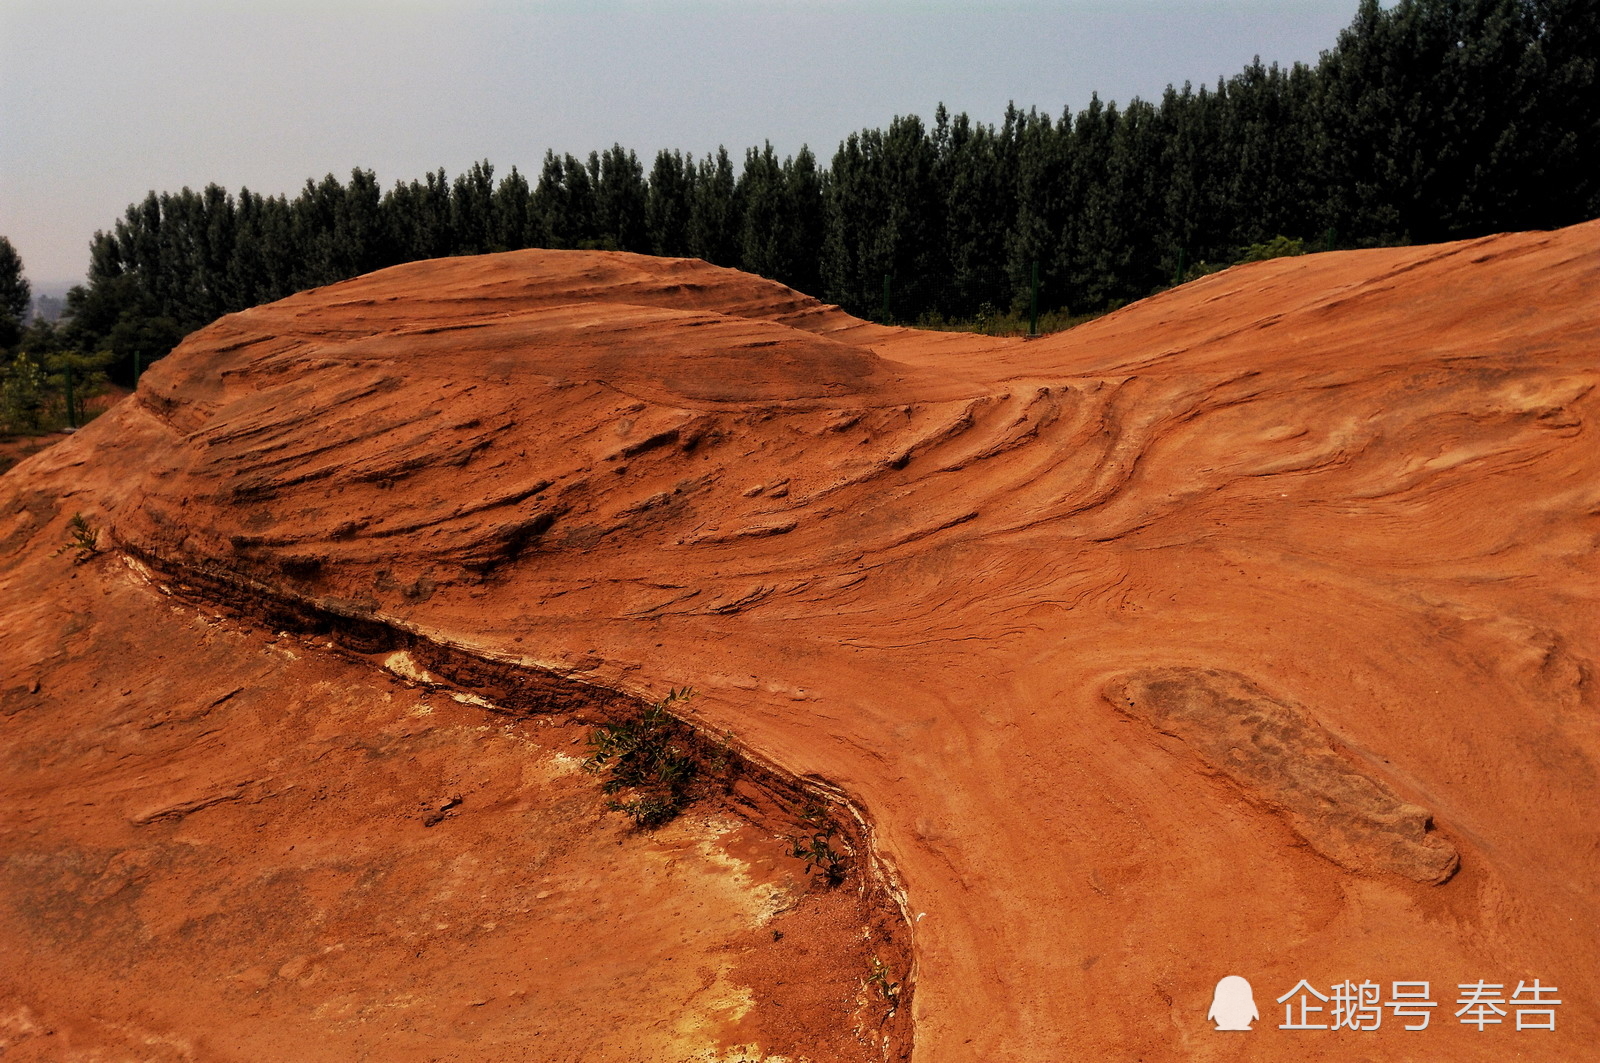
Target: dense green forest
x=1426, y=121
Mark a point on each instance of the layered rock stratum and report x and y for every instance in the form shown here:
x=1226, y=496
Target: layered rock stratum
x=1249, y=630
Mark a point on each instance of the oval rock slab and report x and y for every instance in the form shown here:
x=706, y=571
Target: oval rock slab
x=1280, y=754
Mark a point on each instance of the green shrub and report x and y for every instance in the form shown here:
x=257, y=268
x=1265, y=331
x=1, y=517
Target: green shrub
x=1277, y=247
x=649, y=753
x=817, y=850
x=24, y=396
x=821, y=857
x=45, y=387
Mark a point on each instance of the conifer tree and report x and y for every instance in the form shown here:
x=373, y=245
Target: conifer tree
x=16, y=295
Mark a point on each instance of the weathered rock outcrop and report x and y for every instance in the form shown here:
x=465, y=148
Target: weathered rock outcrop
x=905, y=566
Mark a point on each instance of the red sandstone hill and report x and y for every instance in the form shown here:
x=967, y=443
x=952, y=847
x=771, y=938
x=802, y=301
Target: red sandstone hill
x=1248, y=630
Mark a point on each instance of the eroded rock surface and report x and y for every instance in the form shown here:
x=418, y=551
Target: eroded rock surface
x=904, y=566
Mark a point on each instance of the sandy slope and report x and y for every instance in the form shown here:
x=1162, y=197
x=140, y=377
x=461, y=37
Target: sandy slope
x=1005, y=596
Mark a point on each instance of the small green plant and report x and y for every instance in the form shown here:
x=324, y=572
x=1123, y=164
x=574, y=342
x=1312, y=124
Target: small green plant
x=818, y=851
x=879, y=980
x=650, y=754
x=82, y=538
x=820, y=856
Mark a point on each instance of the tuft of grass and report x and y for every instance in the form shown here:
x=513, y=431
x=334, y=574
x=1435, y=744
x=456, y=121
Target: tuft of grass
x=648, y=758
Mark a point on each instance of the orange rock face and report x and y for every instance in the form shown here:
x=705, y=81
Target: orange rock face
x=1250, y=630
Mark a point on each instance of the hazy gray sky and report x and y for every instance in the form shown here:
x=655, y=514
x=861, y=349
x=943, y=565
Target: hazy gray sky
x=101, y=102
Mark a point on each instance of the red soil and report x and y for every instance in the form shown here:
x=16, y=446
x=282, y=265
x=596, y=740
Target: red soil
x=999, y=595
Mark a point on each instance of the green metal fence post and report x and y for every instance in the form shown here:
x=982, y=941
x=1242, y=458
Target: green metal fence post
x=1033, y=302
x=72, y=407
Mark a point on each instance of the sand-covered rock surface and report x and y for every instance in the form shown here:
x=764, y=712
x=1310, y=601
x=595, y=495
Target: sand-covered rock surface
x=1249, y=630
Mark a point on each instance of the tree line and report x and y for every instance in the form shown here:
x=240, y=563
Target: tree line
x=1431, y=120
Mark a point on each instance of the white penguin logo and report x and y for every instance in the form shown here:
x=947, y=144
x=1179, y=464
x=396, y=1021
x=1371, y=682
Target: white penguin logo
x=1233, y=1006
